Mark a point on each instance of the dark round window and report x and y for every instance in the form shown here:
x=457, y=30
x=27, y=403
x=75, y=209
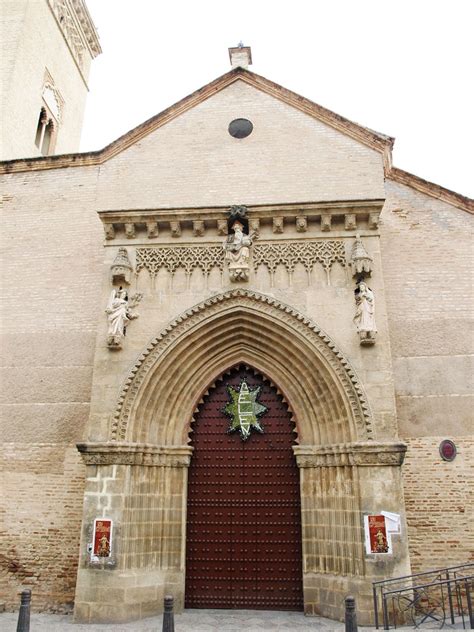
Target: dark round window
x=447, y=449
x=240, y=128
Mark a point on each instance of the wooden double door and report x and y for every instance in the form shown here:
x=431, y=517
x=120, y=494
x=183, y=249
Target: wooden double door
x=243, y=545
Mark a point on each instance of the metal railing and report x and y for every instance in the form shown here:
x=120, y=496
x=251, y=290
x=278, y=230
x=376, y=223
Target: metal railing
x=441, y=598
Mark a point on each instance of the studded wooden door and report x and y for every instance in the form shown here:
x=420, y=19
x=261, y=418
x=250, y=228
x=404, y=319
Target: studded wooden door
x=243, y=546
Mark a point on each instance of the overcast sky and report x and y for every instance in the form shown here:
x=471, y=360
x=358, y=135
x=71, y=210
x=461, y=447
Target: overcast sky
x=400, y=67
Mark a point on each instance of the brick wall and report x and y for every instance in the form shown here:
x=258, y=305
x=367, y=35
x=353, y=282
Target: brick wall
x=439, y=503
x=427, y=258
x=43, y=485
x=51, y=276
x=289, y=157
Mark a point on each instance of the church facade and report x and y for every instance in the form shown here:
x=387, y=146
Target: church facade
x=235, y=341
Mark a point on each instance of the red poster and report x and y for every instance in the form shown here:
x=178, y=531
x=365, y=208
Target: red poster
x=377, y=534
x=102, y=537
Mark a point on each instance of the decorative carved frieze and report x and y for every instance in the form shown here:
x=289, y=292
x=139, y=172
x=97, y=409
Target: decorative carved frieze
x=370, y=453
x=308, y=253
x=187, y=257
x=123, y=453
x=287, y=253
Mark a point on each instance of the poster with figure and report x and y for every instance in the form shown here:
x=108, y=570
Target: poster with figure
x=102, y=542
x=377, y=538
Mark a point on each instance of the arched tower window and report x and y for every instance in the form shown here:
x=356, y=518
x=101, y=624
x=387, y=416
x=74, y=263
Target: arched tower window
x=45, y=133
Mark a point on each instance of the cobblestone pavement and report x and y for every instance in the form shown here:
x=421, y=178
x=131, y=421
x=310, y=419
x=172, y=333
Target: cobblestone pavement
x=194, y=621
x=189, y=621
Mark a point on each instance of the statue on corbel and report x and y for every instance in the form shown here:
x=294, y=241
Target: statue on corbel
x=365, y=314
x=119, y=308
x=238, y=243
x=361, y=265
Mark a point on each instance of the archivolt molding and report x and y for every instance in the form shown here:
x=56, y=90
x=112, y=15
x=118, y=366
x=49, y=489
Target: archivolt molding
x=274, y=322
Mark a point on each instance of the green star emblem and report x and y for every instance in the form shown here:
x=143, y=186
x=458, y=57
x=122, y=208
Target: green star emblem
x=244, y=410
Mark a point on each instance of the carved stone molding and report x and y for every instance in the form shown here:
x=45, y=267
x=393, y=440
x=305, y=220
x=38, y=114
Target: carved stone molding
x=307, y=217
x=317, y=342
x=123, y=453
x=360, y=453
x=77, y=27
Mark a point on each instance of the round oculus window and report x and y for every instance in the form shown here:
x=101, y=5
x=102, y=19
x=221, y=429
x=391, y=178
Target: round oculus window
x=240, y=128
x=447, y=450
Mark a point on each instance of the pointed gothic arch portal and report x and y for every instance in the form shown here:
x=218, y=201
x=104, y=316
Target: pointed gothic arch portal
x=342, y=467
x=164, y=387
x=243, y=536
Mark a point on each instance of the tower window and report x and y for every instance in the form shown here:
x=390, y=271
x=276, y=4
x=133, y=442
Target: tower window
x=45, y=133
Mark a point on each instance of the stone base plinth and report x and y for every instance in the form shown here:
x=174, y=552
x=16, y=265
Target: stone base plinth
x=118, y=597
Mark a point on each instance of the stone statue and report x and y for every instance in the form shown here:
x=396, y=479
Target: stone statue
x=119, y=314
x=365, y=314
x=237, y=252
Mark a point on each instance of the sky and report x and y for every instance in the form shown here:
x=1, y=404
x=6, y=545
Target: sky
x=400, y=67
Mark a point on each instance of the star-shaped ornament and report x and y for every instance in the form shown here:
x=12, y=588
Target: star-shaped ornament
x=244, y=410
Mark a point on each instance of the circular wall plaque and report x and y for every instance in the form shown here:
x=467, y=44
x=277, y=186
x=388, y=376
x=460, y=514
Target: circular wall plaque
x=447, y=450
x=240, y=128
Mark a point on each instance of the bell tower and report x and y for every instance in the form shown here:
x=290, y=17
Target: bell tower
x=47, y=50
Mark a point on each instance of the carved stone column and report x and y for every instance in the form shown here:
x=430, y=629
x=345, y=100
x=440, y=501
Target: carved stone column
x=339, y=483
x=142, y=489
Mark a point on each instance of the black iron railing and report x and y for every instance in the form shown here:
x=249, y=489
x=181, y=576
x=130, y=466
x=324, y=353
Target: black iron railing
x=439, y=598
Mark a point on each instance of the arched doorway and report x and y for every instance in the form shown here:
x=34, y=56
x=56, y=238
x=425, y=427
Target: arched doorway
x=347, y=463
x=243, y=543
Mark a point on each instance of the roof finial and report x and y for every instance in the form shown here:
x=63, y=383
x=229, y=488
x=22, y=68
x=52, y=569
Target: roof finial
x=240, y=56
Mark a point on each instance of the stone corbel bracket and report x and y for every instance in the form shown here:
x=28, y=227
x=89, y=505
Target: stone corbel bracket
x=368, y=454
x=125, y=453
x=181, y=223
